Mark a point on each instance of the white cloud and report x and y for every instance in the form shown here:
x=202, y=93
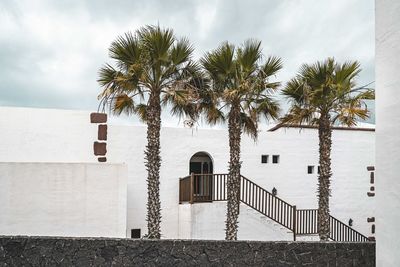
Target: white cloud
x=50, y=51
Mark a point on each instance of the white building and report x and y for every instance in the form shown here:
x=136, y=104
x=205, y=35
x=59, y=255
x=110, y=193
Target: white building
x=51, y=183
x=387, y=28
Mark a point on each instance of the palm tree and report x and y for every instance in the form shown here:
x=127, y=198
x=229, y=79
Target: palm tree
x=152, y=69
x=239, y=92
x=324, y=94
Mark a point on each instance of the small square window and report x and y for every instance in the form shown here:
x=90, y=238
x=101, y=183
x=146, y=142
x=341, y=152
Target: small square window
x=310, y=169
x=264, y=158
x=275, y=159
x=135, y=233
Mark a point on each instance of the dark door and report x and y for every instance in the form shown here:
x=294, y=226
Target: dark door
x=195, y=167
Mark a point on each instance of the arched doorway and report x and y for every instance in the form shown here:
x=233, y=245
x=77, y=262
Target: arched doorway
x=201, y=166
x=201, y=163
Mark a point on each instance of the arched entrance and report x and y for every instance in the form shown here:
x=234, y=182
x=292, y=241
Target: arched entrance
x=201, y=163
x=201, y=166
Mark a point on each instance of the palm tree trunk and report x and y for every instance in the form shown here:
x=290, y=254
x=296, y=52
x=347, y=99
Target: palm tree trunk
x=153, y=163
x=324, y=177
x=233, y=187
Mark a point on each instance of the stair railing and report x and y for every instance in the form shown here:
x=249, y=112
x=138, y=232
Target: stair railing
x=344, y=233
x=266, y=203
x=213, y=187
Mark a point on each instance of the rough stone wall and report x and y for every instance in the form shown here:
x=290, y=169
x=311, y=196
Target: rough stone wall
x=54, y=251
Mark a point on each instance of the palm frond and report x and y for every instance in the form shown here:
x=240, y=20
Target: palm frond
x=296, y=91
x=107, y=75
x=271, y=66
x=248, y=55
x=141, y=110
x=214, y=115
x=181, y=51
x=299, y=115
x=268, y=107
x=157, y=42
x=249, y=124
x=125, y=50
x=219, y=65
x=123, y=103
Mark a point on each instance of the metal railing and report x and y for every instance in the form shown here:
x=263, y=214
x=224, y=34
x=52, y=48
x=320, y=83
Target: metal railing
x=198, y=188
x=342, y=232
x=213, y=187
x=307, y=221
x=266, y=203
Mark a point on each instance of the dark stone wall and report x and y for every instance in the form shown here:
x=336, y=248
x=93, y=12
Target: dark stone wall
x=58, y=251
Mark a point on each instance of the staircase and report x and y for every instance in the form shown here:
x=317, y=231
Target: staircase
x=212, y=187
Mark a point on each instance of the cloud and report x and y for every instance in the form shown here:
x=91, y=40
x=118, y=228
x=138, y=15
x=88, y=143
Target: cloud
x=50, y=51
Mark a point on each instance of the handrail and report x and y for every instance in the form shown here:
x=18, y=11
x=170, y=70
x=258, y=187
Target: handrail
x=243, y=177
x=343, y=232
x=266, y=203
x=213, y=187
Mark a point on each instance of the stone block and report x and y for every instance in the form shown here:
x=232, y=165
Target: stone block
x=98, y=117
x=102, y=132
x=99, y=149
x=102, y=159
x=371, y=168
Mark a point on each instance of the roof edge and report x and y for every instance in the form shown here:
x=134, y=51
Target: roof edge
x=282, y=125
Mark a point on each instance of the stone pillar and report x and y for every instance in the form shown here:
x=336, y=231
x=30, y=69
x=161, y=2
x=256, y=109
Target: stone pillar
x=387, y=180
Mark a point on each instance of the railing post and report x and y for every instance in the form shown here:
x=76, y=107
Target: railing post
x=294, y=222
x=191, y=187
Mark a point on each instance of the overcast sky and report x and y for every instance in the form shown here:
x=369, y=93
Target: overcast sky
x=51, y=50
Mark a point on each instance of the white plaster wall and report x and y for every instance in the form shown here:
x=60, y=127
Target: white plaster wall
x=207, y=221
x=63, y=199
x=68, y=136
x=388, y=131
x=46, y=135
x=127, y=144
x=352, y=152
x=185, y=221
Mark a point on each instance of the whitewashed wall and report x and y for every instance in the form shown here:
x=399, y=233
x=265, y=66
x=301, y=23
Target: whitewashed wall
x=46, y=135
x=353, y=151
x=388, y=131
x=63, y=199
x=207, y=221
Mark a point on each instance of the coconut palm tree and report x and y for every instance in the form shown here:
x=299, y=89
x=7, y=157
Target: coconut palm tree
x=324, y=94
x=152, y=69
x=240, y=92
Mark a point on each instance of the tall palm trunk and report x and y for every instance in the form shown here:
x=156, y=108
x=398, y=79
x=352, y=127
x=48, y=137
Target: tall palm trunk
x=324, y=177
x=153, y=163
x=233, y=186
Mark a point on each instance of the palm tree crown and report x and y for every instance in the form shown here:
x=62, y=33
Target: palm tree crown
x=328, y=89
x=240, y=79
x=240, y=92
x=152, y=69
x=150, y=61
